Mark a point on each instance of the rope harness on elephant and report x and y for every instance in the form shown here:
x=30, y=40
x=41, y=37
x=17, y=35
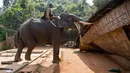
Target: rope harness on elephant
x=53, y=24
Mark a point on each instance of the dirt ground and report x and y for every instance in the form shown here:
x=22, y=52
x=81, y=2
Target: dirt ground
x=74, y=61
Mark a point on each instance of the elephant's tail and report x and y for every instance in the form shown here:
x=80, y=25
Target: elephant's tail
x=16, y=39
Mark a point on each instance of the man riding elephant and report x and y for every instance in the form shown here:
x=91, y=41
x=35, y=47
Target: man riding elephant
x=48, y=13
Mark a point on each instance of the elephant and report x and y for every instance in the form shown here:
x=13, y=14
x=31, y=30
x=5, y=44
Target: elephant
x=38, y=31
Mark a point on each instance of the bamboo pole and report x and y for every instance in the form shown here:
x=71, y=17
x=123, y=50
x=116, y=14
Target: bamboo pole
x=15, y=71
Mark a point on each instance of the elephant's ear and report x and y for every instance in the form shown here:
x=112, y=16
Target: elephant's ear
x=65, y=22
x=62, y=24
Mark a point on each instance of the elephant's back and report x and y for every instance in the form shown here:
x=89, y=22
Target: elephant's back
x=40, y=30
x=37, y=30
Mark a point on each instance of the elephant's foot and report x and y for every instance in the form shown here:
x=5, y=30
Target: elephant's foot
x=27, y=58
x=18, y=59
x=55, y=61
x=59, y=59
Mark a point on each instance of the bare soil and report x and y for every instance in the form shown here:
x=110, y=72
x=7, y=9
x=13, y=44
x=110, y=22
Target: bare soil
x=74, y=61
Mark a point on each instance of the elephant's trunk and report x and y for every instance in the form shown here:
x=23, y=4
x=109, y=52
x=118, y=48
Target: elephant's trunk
x=80, y=25
x=16, y=39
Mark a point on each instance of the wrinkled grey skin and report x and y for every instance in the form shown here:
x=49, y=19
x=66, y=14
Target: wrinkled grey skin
x=36, y=31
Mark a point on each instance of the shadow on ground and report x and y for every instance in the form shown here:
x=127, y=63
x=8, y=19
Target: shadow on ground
x=98, y=62
x=53, y=68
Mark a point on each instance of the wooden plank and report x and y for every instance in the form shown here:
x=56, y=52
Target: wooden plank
x=118, y=17
x=34, y=64
x=103, y=21
x=108, y=28
x=123, y=62
x=24, y=51
x=114, y=14
x=126, y=19
x=109, y=17
x=21, y=67
x=123, y=8
x=34, y=52
x=128, y=6
x=116, y=42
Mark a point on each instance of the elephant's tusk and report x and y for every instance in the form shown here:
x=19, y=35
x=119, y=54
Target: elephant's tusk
x=59, y=17
x=85, y=23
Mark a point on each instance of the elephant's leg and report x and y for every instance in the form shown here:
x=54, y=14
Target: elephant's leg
x=56, y=45
x=21, y=45
x=56, y=58
x=31, y=43
x=28, y=53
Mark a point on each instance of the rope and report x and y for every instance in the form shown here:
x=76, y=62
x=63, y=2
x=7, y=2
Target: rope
x=53, y=24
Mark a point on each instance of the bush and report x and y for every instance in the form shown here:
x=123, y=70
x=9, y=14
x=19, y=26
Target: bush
x=3, y=32
x=5, y=48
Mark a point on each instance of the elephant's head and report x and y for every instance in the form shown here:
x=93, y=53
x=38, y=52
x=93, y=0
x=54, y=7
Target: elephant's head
x=68, y=19
x=71, y=20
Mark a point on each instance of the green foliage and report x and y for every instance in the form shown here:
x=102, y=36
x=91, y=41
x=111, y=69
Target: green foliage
x=25, y=9
x=3, y=32
x=6, y=3
x=16, y=15
x=22, y=10
x=58, y=10
x=100, y=3
x=4, y=48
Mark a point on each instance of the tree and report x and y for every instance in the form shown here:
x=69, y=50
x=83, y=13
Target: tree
x=22, y=10
x=6, y=3
x=100, y=3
